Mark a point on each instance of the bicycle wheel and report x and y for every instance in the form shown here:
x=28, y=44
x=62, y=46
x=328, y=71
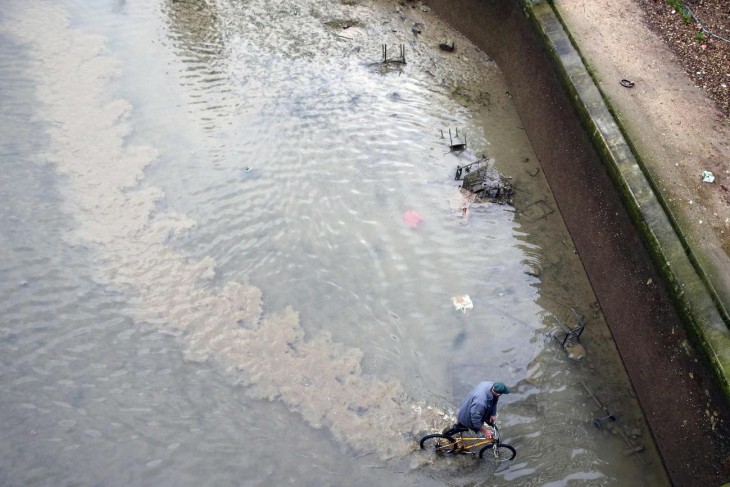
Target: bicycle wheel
x=503, y=452
x=438, y=443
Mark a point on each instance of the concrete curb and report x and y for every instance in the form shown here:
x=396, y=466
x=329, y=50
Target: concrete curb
x=702, y=314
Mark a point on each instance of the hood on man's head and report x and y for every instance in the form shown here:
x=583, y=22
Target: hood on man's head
x=500, y=388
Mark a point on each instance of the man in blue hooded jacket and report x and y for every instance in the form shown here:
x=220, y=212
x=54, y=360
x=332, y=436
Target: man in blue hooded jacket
x=479, y=409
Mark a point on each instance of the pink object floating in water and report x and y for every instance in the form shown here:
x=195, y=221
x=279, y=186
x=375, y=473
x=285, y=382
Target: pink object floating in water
x=412, y=218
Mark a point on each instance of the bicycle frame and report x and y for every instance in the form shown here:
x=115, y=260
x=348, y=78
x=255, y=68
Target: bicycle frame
x=469, y=443
x=465, y=444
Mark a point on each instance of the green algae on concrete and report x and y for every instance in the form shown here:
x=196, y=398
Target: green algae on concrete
x=704, y=318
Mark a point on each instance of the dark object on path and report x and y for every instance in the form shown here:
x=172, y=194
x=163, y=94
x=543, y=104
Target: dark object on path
x=447, y=45
x=626, y=83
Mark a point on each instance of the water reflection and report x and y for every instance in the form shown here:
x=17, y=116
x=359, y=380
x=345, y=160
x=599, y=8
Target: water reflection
x=280, y=255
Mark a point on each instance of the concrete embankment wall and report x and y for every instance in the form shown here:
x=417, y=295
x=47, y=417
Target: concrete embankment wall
x=654, y=301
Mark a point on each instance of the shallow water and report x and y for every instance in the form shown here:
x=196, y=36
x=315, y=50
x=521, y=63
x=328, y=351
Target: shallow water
x=208, y=277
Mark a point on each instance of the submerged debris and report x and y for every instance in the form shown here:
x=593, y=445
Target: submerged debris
x=605, y=414
x=481, y=178
x=412, y=218
x=400, y=59
x=462, y=303
x=569, y=336
x=456, y=144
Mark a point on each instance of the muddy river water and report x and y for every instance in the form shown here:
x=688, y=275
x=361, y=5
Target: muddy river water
x=207, y=277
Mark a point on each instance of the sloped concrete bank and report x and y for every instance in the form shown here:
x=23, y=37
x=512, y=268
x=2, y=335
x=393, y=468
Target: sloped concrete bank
x=668, y=326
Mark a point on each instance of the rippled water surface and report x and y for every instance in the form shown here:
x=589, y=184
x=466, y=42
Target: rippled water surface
x=207, y=277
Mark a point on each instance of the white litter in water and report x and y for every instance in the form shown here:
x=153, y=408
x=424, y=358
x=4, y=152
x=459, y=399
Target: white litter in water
x=462, y=303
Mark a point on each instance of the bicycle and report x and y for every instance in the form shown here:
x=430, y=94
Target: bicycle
x=489, y=448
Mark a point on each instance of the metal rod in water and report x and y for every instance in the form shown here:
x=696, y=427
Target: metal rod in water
x=608, y=413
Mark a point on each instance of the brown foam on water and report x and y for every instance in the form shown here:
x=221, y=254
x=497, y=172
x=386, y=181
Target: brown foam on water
x=314, y=376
